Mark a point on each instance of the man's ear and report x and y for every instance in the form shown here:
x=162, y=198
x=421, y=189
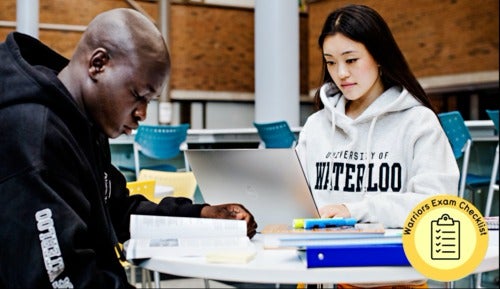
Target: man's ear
x=98, y=62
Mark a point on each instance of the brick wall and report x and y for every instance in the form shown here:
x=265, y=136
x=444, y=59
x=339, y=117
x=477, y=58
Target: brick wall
x=436, y=37
x=212, y=47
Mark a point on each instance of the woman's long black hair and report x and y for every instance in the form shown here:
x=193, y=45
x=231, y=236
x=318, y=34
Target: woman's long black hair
x=362, y=24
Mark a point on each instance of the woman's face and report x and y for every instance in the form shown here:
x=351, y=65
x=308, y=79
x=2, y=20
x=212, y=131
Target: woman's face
x=352, y=68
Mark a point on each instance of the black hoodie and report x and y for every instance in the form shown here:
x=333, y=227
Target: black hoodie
x=63, y=205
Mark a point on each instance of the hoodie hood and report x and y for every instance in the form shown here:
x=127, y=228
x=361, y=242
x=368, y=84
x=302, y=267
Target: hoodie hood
x=392, y=100
x=39, y=66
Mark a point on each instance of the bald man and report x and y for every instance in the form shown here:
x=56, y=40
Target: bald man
x=63, y=206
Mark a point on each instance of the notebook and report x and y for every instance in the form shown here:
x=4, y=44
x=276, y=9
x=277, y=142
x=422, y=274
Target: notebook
x=270, y=183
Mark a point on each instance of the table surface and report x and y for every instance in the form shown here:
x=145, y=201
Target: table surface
x=283, y=266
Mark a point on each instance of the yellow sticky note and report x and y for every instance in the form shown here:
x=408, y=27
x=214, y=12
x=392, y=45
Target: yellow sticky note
x=240, y=257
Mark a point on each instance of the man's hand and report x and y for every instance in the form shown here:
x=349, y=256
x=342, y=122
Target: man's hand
x=231, y=211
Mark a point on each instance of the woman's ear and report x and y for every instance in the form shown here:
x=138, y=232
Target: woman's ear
x=98, y=62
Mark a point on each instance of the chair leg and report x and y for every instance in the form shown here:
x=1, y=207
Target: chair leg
x=491, y=188
x=136, y=160
x=133, y=279
x=477, y=280
x=156, y=277
x=145, y=279
x=465, y=167
x=186, y=163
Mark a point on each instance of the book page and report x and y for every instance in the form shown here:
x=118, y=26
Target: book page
x=162, y=236
x=147, y=227
x=188, y=247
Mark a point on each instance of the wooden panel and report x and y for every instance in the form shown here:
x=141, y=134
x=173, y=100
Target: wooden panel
x=436, y=37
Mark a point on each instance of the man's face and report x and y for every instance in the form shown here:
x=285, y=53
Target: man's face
x=121, y=94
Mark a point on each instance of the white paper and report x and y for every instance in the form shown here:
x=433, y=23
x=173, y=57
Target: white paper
x=181, y=236
x=187, y=247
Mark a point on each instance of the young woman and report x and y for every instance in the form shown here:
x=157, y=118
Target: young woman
x=375, y=148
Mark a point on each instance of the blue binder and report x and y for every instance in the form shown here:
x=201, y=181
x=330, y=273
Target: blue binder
x=355, y=255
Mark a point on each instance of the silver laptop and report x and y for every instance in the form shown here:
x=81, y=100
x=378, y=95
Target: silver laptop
x=270, y=183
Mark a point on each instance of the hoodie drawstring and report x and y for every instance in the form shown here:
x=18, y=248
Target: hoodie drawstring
x=368, y=153
x=331, y=157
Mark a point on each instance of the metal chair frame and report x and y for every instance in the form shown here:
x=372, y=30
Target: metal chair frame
x=493, y=186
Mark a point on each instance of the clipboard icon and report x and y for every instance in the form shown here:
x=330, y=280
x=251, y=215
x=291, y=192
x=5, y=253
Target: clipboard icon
x=445, y=238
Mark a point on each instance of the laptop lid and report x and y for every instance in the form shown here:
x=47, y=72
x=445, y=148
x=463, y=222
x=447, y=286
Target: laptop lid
x=270, y=183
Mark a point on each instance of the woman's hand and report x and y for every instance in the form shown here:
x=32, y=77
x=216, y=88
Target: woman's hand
x=331, y=211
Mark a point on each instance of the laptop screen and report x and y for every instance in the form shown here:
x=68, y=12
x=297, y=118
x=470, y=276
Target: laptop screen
x=270, y=183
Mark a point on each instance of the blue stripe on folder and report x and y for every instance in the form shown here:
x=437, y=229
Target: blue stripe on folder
x=354, y=255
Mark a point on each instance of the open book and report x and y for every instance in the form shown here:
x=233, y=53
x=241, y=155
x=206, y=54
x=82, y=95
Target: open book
x=219, y=240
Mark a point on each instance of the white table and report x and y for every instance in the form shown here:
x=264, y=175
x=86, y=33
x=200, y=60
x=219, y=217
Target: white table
x=282, y=266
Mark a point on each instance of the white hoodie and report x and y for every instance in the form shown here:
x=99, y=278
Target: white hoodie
x=396, y=137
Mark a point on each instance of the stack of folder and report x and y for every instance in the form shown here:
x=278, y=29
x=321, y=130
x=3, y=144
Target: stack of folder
x=356, y=244
x=284, y=236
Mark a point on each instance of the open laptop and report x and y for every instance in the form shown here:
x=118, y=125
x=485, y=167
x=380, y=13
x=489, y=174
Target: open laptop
x=270, y=183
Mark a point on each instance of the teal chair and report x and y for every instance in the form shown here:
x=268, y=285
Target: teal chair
x=493, y=114
x=160, y=142
x=276, y=134
x=461, y=142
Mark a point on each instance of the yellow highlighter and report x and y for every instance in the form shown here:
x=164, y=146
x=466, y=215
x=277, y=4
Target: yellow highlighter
x=298, y=223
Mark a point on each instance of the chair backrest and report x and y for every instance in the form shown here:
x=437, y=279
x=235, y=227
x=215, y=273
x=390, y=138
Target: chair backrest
x=457, y=132
x=183, y=183
x=145, y=188
x=461, y=141
x=159, y=142
x=493, y=114
x=276, y=134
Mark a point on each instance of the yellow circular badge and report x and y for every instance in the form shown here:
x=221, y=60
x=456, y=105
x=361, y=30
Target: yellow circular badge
x=445, y=238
